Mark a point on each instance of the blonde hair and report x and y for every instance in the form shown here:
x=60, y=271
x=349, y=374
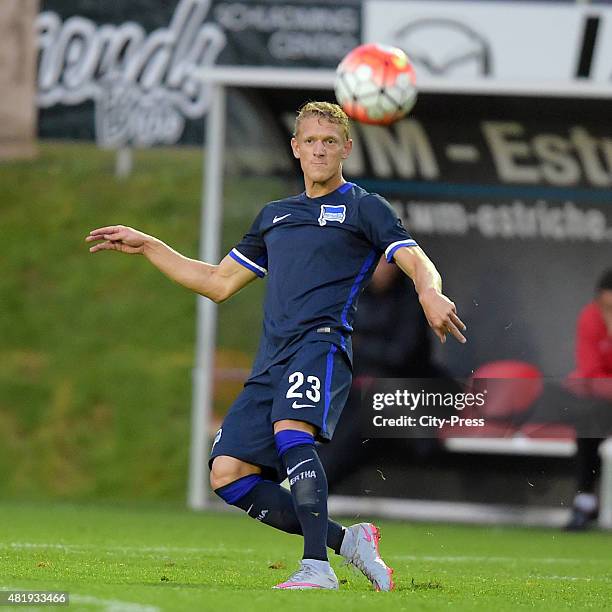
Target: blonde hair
x=324, y=110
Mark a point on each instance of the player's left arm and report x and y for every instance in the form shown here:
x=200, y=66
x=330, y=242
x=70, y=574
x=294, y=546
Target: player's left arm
x=440, y=312
x=383, y=228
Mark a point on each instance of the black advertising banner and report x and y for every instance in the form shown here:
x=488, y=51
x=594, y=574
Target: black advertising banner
x=126, y=72
x=512, y=199
x=314, y=34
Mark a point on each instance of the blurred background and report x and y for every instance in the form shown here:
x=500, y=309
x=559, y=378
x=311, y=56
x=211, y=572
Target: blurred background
x=502, y=172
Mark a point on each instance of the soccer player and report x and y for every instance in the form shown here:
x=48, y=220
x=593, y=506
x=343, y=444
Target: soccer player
x=318, y=250
x=594, y=366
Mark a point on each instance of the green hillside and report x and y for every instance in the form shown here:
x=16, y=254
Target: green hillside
x=96, y=351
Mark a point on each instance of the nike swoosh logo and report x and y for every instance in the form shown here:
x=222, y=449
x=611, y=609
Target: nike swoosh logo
x=296, y=405
x=368, y=536
x=295, y=467
x=277, y=219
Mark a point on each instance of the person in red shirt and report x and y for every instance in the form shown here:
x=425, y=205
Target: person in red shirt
x=594, y=374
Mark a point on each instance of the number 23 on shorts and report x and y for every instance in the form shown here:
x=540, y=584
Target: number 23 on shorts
x=297, y=381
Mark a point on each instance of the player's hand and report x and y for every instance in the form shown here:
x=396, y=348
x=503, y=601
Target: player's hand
x=442, y=316
x=118, y=238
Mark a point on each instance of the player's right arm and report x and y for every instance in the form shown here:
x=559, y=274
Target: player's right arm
x=216, y=282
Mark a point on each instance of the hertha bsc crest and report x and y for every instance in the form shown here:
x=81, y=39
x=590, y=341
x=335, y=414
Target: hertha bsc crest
x=332, y=213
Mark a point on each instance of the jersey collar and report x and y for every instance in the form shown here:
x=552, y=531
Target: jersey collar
x=340, y=191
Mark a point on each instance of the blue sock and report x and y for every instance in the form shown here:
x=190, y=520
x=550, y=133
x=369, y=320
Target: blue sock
x=268, y=502
x=308, y=488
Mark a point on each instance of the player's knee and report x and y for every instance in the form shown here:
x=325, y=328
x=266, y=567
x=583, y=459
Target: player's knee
x=226, y=470
x=290, y=424
x=232, y=482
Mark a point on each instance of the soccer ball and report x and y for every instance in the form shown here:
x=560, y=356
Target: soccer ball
x=376, y=84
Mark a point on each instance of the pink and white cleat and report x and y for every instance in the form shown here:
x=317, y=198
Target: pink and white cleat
x=313, y=574
x=360, y=549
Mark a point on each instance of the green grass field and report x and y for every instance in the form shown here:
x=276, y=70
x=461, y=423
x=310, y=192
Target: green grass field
x=138, y=558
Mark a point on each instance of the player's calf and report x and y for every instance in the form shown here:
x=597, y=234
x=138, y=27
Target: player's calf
x=262, y=500
x=259, y=498
x=308, y=487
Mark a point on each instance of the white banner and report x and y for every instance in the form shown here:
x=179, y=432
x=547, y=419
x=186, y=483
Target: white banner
x=498, y=42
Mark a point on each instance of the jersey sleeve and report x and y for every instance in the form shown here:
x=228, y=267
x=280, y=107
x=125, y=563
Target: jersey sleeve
x=251, y=251
x=382, y=227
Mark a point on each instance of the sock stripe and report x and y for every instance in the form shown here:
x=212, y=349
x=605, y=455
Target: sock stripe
x=290, y=438
x=236, y=490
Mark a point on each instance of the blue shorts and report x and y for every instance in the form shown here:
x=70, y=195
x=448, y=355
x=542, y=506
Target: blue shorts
x=311, y=386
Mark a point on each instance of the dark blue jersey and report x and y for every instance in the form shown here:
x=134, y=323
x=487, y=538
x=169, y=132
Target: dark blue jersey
x=318, y=254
